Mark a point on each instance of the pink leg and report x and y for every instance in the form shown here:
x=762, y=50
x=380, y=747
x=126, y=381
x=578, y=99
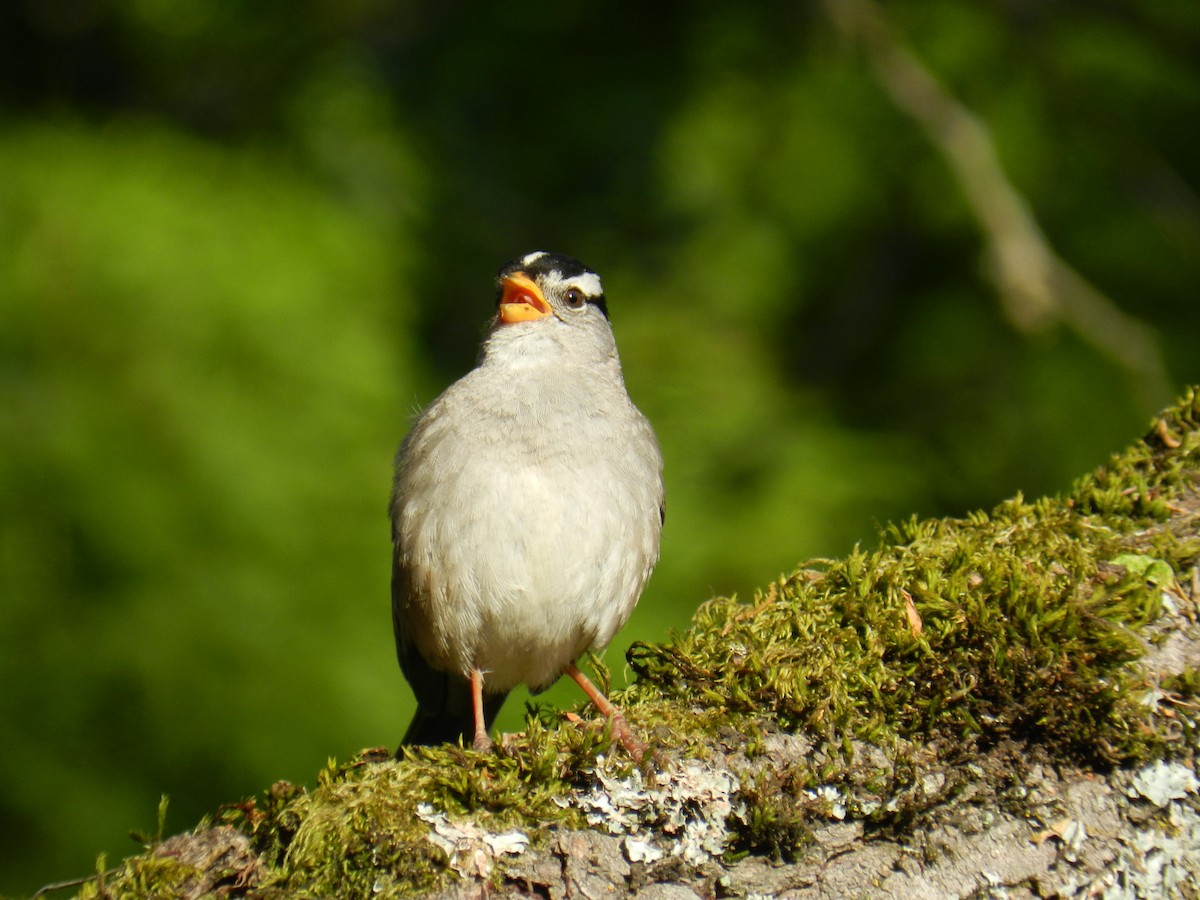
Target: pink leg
x=482, y=742
x=620, y=727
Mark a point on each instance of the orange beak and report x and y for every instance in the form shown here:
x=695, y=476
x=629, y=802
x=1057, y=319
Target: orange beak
x=521, y=299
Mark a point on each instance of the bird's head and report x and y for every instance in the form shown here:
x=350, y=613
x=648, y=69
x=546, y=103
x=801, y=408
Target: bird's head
x=542, y=284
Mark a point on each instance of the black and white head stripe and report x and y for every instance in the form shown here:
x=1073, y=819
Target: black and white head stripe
x=557, y=274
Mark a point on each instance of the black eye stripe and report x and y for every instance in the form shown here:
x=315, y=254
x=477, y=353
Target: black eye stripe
x=561, y=274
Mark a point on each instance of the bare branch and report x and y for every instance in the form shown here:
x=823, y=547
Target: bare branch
x=1036, y=287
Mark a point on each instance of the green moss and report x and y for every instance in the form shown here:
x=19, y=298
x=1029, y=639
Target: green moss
x=143, y=876
x=358, y=834
x=1015, y=623
x=1017, y=627
x=1142, y=482
x=775, y=821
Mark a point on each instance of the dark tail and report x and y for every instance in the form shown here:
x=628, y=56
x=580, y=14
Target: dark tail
x=447, y=723
x=444, y=712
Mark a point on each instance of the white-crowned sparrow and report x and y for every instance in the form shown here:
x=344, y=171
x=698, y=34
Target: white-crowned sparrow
x=526, y=509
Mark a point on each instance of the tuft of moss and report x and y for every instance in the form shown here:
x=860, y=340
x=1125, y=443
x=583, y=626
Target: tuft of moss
x=775, y=821
x=1141, y=483
x=144, y=876
x=204, y=862
x=358, y=834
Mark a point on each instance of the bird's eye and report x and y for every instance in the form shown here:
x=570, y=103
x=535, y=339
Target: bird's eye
x=574, y=298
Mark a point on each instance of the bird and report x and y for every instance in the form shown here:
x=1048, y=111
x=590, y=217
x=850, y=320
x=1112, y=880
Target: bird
x=527, y=506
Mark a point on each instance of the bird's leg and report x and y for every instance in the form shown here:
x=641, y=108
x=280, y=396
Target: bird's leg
x=482, y=742
x=620, y=728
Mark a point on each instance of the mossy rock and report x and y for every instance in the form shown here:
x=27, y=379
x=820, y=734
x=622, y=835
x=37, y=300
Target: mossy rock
x=960, y=657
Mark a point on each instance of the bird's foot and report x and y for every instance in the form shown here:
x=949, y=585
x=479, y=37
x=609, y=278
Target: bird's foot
x=620, y=728
x=623, y=733
x=482, y=742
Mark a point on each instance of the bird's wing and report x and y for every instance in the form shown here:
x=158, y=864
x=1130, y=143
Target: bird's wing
x=444, y=711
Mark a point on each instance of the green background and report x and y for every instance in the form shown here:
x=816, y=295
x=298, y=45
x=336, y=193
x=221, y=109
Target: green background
x=242, y=243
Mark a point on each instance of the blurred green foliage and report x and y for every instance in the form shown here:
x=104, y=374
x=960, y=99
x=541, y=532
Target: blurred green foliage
x=241, y=243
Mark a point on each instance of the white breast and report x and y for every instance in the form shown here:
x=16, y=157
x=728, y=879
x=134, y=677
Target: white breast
x=527, y=520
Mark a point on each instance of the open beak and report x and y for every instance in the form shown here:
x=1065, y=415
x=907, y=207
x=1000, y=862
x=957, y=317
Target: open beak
x=521, y=299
